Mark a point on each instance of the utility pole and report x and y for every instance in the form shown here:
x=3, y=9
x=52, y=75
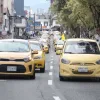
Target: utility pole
x=34, y=22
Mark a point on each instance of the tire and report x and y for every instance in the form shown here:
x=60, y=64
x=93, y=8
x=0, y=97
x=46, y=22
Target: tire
x=61, y=78
x=33, y=76
x=48, y=52
x=98, y=79
x=42, y=70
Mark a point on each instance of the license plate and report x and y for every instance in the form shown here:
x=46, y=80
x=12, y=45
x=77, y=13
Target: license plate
x=81, y=69
x=12, y=68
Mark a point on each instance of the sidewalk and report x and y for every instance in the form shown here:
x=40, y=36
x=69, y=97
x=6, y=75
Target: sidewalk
x=6, y=37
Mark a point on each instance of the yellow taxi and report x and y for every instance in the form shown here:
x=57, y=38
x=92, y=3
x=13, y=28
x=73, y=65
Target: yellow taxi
x=39, y=58
x=16, y=58
x=80, y=58
x=59, y=46
x=45, y=47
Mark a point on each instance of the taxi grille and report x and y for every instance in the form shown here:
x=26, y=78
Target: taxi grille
x=20, y=68
x=38, y=64
x=76, y=72
x=82, y=64
x=59, y=48
x=11, y=60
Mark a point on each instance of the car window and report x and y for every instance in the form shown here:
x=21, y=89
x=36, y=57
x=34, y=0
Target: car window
x=14, y=47
x=60, y=42
x=35, y=47
x=82, y=48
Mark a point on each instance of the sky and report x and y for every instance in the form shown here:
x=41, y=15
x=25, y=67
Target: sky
x=38, y=4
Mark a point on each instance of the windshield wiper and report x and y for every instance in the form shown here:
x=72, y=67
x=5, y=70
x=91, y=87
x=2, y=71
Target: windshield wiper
x=70, y=52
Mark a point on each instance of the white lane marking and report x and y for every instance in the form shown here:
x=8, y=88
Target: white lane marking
x=51, y=67
x=56, y=98
x=51, y=56
x=49, y=82
x=51, y=62
x=50, y=73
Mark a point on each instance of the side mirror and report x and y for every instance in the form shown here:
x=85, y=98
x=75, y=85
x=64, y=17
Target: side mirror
x=34, y=52
x=55, y=44
x=43, y=50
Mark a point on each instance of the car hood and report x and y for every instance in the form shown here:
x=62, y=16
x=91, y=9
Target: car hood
x=39, y=54
x=60, y=46
x=14, y=55
x=82, y=57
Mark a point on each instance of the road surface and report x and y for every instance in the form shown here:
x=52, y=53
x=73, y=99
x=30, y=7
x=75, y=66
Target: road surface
x=47, y=86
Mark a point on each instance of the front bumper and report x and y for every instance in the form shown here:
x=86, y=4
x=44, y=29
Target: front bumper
x=39, y=63
x=22, y=68
x=72, y=71
x=58, y=52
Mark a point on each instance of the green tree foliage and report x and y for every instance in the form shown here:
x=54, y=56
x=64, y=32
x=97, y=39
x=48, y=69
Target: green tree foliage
x=74, y=13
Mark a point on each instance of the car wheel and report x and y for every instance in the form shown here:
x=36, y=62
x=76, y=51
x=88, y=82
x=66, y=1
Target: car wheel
x=61, y=78
x=98, y=79
x=33, y=76
x=48, y=51
x=42, y=70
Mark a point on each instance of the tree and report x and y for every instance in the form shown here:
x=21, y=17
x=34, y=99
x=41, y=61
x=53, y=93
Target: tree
x=76, y=13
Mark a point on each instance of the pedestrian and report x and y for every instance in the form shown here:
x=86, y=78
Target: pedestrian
x=33, y=33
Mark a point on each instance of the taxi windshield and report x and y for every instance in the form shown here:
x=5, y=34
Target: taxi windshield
x=82, y=48
x=60, y=42
x=35, y=46
x=14, y=47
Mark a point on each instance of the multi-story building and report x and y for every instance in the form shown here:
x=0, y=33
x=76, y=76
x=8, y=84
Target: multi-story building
x=20, y=20
x=19, y=7
x=7, y=9
x=44, y=20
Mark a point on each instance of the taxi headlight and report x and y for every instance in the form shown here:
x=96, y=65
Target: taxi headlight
x=27, y=59
x=98, y=62
x=38, y=57
x=64, y=61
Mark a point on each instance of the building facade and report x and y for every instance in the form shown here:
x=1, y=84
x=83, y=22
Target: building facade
x=19, y=7
x=6, y=10
x=45, y=23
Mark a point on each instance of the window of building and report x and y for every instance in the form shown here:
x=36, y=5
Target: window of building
x=18, y=20
x=45, y=23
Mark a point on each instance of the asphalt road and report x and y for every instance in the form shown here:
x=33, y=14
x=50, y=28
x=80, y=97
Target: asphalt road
x=47, y=86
